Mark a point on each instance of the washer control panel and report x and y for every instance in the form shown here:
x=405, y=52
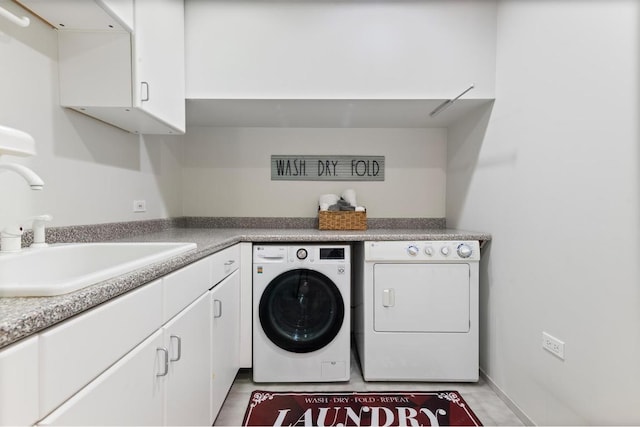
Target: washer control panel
x=423, y=251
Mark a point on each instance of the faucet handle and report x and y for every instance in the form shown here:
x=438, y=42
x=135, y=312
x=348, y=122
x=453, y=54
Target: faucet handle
x=39, y=237
x=11, y=239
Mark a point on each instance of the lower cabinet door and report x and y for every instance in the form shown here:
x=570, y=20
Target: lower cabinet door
x=187, y=337
x=19, y=383
x=225, y=339
x=131, y=392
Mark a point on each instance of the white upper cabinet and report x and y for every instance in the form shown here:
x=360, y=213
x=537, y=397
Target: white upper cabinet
x=122, y=10
x=90, y=15
x=159, y=68
x=347, y=50
x=131, y=75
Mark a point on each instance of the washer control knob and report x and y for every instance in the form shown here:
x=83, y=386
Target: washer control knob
x=444, y=250
x=413, y=250
x=464, y=250
x=428, y=250
x=302, y=253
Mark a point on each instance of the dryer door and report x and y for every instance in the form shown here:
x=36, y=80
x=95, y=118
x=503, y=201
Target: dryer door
x=421, y=298
x=301, y=311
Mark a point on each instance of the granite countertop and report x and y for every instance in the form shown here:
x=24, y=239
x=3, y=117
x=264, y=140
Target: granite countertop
x=22, y=317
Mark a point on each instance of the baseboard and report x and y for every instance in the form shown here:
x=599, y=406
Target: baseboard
x=510, y=403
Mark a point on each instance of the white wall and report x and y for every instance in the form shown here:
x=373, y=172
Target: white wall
x=227, y=171
x=92, y=171
x=339, y=49
x=552, y=173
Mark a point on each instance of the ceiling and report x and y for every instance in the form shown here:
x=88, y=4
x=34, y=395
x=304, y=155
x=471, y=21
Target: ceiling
x=327, y=113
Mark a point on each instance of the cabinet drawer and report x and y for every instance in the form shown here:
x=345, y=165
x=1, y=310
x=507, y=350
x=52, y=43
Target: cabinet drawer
x=184, y=286
x=224, y=263
x=78, y=350
x=19, y=383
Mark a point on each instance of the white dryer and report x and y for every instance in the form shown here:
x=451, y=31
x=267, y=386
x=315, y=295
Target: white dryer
x=416, y=310
x=301, y=313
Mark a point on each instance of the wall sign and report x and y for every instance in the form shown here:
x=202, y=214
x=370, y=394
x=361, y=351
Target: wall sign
x=327, y=168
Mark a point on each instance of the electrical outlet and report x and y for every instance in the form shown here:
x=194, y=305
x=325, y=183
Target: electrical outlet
x=139, y=206
x=553, y=345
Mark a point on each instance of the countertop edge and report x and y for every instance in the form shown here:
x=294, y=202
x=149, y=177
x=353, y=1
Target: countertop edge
x=29, y=316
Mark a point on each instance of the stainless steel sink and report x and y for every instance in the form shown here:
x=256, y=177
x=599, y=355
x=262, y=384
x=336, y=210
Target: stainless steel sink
x=63, y=268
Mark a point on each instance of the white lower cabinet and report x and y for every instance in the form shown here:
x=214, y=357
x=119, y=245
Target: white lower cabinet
x=163, y=381
x=19, y=383
x=164, y=354
x=128, y=393
x=225, y=339
x=79, y=349
x=187, y=339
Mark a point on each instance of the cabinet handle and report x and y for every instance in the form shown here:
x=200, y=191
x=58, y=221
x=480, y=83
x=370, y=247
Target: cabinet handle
x=179, y=348
x=217, y=308
x=227, y=265
x=166, y=361
x=145, y=91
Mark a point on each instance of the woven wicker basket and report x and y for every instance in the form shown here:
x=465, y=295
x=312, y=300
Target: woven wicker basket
x=342, y=220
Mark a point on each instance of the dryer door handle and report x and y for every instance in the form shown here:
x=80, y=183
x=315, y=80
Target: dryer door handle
x=217, y=308
x=388, y=298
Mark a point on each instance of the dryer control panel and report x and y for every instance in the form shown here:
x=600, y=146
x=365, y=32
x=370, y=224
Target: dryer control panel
x=423, y=251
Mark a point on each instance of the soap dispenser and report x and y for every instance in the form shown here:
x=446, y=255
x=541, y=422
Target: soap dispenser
x=39, y=240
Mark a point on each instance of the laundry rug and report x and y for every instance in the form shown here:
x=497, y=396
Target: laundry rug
x=434, y=408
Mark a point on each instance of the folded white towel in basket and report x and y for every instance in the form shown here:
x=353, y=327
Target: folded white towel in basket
x=327, y=200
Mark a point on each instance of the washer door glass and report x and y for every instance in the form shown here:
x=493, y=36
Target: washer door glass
x=301, y=310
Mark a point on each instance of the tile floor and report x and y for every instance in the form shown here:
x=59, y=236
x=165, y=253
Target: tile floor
x=491, y=410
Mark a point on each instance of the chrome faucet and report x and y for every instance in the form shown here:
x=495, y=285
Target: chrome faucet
x=34, y=181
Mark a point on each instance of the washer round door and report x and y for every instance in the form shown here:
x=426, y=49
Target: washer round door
x=301, y=310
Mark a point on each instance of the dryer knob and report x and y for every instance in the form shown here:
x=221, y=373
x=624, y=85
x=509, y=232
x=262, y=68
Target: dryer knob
x=464, y=250
x=444, y=250
x=413, y=250
x=428, y=250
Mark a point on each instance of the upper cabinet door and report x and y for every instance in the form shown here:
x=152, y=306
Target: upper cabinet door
x=122, y=10
x=340, y=50
x=87, y=15
x=121, y=61
x=158, y=43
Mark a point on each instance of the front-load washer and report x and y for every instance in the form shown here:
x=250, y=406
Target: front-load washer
x=301, y=313
x=416, y=310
